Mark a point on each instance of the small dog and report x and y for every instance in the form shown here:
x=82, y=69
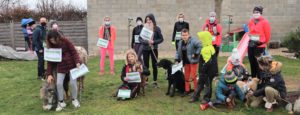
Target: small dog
x=175, y=81
x=48, y=95
x=244, y=86
x=294, y=108
x=144, y=76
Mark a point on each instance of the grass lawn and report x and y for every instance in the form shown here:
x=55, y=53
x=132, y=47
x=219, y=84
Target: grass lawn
x=19, y=92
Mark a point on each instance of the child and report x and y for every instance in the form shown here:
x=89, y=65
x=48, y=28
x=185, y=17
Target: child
x=70, y=60
x=131, y=65
x=227, y=90
x=237, y=67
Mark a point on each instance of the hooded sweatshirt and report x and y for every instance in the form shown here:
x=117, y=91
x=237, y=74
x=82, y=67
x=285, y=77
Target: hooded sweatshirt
x=157, y=37
x=207, y=48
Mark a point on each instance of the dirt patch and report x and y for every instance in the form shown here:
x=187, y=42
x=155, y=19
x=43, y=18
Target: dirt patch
x=292, y=84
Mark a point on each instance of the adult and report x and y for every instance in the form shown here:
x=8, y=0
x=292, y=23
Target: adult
x=135, y=43
x=179, y=25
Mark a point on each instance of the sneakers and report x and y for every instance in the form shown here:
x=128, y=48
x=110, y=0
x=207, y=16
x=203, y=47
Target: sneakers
x=112, y=72
x=40, y=78
x=155, y=85
x=101, y=73
x=60, y=106
x=76, y=104
x=192, y=100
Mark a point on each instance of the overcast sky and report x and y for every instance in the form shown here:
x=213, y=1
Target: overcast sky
x=79, y=3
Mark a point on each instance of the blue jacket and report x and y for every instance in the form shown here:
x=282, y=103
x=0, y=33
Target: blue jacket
x=223, y=88
x=38, y=37
x=193, y=47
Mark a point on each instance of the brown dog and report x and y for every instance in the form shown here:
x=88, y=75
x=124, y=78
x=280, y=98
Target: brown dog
x=252, y=85
x=144, y=76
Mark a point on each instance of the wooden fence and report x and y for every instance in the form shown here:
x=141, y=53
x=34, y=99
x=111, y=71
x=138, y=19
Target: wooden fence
x=11, y=33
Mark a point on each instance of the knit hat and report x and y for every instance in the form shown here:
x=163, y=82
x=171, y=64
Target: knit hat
x=259, y=9
x=139, y=19
x=230, y=78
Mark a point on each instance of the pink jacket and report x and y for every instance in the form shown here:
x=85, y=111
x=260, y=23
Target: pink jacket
x=208, y=27
x=262, y=28
x=112, y=33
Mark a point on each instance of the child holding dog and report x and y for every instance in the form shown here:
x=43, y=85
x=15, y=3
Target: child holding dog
x=188, y=51
x=227, y=90
x=207, y=67
x=70, y=60
x=272, y=87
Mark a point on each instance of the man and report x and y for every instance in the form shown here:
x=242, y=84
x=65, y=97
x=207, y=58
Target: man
x=39, y=35
x=179, y=25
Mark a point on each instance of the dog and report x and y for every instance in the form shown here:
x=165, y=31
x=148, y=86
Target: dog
x=245, y=86
x=144, y=76
x=48, y=95
x=175, y=81
x=294, y=108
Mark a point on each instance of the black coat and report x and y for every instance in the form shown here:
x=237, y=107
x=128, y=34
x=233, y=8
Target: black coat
x=136, y=31
x=178, y=27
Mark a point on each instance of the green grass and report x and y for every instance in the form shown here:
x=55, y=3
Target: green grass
x=19, y=92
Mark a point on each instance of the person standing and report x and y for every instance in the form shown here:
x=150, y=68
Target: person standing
x=260, y=34
x=135, y=43
x=150, y=47
x=179, y=25
x=215, y=30
x=38, y=38
x=188, y=51
x=107, y=32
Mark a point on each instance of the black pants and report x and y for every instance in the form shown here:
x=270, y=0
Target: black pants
x=253, y=53
x=176, y=44
x=217, y=48
x=41, y=67
x=146, y=56
x=207, y=81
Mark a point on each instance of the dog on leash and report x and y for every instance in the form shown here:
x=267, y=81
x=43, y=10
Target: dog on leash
x=175, y=81
x=144, y=76
x=246, y=86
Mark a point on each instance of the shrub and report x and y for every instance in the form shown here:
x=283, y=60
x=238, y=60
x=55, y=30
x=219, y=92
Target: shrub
x=292, y=42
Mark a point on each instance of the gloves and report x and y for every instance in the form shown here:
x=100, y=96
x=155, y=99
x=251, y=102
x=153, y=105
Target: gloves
x=228, y=99
x=173, y=43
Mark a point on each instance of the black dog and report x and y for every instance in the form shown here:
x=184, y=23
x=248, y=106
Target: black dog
x=176, y=80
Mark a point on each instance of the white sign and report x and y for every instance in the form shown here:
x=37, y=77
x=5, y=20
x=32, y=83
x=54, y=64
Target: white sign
x=146, y=33
x=213, y=38
x=78, y=72
x=136, y=38
x=102, y=43
x=124, y=93
x=177, y=67
x=133, y=77
x=53, y=54
x=254, y=37
x=178, y=36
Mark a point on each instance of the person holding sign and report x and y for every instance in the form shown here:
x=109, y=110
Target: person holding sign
x=135, y=43
x=179, y=25
x=215, y=30
x=131, y=66
x=70, y=60
x=150, y=41
x=188, y=52
x=108, y=33
x=260, y=34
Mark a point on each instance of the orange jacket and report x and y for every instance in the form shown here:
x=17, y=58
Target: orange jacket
x=261, y=28
x=112, y=34
x=209, y=27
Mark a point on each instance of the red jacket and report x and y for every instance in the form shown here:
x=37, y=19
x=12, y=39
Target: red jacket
x=262, y=28
x=70, y=58
x=209, y=27
x=112, y=34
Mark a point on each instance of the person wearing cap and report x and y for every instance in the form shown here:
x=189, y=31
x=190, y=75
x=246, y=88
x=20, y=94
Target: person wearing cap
x=215, y=30
x=272, y=87
x=188, y=52
x=207, y=67
x=135, y=43
x=260, y=34
x=107, y=32
x=179, y=25
x=227, y=89
x=237, y=67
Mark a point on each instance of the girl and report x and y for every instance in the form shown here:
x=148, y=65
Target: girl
x=70, y=60
x=135, y=43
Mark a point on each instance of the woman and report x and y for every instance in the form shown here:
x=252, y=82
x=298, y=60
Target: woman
x=188, y=51
x=70, y=60
x=260, y=34
x=135, y=43
x=150, y=46
x=179, y=25
x=107, y=32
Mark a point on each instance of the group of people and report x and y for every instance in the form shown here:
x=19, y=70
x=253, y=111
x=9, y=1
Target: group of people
x=53, y=37
x=201, y=58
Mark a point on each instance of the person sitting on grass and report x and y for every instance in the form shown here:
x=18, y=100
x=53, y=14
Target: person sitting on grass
x=131, y=65
x=227, y=90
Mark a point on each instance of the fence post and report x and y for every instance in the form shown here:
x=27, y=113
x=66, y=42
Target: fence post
x=12, y=37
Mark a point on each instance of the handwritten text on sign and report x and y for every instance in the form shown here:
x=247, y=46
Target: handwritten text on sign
x=146, y=33
x=133, y=77
x=78, y=72
x=102, y=43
